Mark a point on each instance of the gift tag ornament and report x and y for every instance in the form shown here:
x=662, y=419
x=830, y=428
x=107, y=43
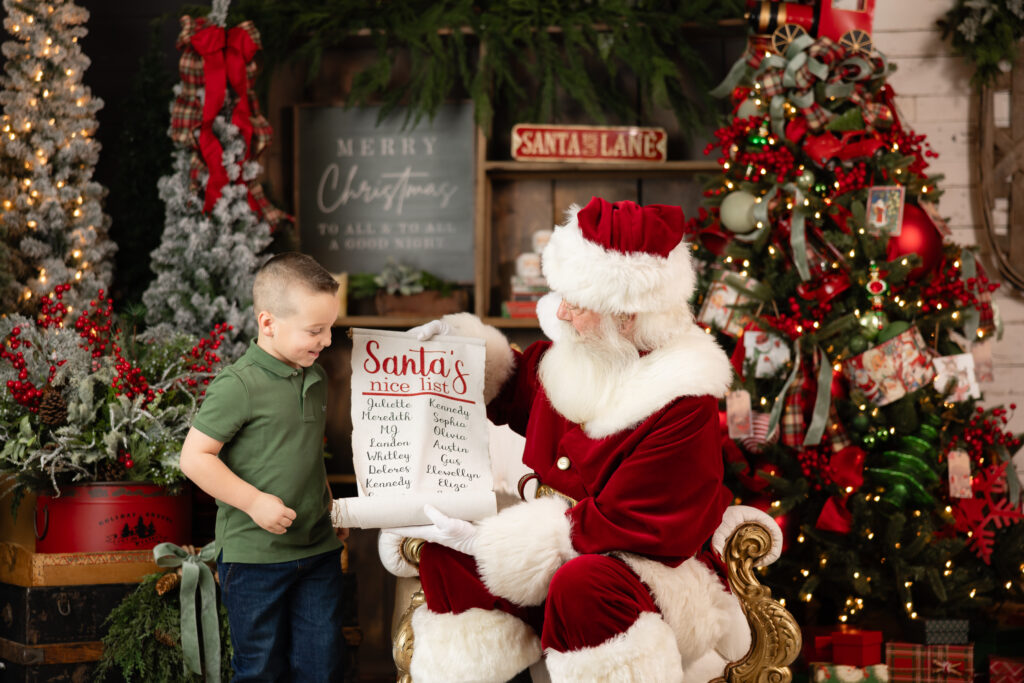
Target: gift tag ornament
x=738, y=414
x=959, y=474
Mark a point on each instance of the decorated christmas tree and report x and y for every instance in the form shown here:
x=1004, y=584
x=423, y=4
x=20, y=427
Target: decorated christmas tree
x=217, y=221
x=859, y=334
x=52, y=227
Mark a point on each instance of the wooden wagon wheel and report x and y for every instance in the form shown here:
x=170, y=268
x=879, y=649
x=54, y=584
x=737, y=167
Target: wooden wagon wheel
x=856, y=40
x=998, y=156
x=784, y=35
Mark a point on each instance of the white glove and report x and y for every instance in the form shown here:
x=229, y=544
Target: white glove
x=734, y=516
x=389, y=547
x=430, y=330
x=456, y=534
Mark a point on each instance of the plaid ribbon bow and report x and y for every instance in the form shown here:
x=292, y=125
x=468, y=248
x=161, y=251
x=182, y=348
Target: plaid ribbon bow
x=211, y=59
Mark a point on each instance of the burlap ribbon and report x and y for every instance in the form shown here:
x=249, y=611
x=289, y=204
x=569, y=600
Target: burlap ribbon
x=195, y=575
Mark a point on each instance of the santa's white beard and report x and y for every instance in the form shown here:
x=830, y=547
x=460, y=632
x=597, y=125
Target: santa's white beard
x=582, y=375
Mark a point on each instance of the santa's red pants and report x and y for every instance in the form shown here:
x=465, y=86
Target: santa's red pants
x=590, y=598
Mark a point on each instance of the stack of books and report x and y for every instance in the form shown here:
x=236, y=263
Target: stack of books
x=525, y=292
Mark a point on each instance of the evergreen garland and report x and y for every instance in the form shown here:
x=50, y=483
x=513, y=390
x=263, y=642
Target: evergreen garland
x=532, y=49
x=986, y=33
x=143, y=642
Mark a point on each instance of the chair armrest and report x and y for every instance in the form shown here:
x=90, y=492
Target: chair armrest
x=775, y=635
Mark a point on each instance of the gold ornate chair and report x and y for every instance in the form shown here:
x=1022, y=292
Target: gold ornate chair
x=775, y=636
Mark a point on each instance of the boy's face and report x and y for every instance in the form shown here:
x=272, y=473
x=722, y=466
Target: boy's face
x=298, y=338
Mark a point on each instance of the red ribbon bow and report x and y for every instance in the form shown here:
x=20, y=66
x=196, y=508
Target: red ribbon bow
x=225, y=55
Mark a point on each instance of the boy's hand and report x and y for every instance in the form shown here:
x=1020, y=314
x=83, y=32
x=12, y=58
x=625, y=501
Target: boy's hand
x=270, y=513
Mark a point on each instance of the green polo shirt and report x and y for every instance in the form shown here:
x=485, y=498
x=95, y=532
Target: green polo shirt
x=270, y=418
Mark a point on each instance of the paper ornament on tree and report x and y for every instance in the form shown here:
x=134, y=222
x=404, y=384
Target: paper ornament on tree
x=722, y=300
x=766, y=351
x=956, y=374
x=887, y=372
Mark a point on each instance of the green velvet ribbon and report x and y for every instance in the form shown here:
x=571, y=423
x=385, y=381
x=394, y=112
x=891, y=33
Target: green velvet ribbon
x=195, y=575
x=821, y=403
x=798, y=233
x=972, y=317
x=780, y=400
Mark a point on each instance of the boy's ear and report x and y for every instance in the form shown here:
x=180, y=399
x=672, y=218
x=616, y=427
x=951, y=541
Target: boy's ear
x=265, y=323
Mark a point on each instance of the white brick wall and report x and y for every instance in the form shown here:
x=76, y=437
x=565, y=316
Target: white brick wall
x=933, y=93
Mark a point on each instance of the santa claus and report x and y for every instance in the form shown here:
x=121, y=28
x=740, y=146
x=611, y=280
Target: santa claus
x=607, y=573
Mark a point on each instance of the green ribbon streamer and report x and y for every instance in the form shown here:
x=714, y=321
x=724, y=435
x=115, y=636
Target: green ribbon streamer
x=972, y=317
x=798, y=234
x=821, y=404
x=731, y=79
x=780, y=400
x=760, y=214
x=195, y=574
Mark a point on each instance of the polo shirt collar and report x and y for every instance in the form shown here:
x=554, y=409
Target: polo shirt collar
x=268, y=362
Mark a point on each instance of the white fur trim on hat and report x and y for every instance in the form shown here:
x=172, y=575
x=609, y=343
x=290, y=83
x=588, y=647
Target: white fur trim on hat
x=519, y=549
x=702, y=614
x=586, y=274
x=472, y=646
x=645, y=652
x=500, y=360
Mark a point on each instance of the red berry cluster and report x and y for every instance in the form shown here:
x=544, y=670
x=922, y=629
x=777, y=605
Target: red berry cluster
x=985, y=431
x=775, y=159
x=95, y=326
x=950, y=290
x=733, y=134
x=789, y=324
x=52, y=310
x=814, y=466
x=852, y=180
x=203, y=357
x=129, y=380
x=22, y=390
x=910, y=144
x=125, y=458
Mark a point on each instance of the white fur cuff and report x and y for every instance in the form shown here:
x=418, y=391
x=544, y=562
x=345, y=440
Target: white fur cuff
x=645, y=652
x=519, y=549
x=476, y=645
x=500, y=359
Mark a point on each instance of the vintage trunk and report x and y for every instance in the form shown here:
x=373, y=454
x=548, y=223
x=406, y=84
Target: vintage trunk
x=52, y=633
x=52, y=609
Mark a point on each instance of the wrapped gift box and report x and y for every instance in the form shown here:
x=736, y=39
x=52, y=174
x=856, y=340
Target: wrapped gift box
x=1005, y=669
x=854, y=647
x=892, y=369
x=912, y=663
x=945, y=631
x=822, y=672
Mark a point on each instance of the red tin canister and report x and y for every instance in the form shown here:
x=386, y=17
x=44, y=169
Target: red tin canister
x=101, y=517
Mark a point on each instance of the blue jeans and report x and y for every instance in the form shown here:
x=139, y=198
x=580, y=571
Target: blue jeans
x=285, y=619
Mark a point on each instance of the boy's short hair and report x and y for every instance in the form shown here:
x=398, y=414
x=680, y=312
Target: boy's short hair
x=271, y=289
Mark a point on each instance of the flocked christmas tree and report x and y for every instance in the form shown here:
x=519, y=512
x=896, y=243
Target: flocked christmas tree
x=53, y=230
x=217, y=221
x=859, y=334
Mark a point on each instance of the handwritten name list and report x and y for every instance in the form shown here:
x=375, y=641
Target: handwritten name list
x=419, y=428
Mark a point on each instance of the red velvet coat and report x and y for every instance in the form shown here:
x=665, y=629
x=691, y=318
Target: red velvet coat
x=654, y=489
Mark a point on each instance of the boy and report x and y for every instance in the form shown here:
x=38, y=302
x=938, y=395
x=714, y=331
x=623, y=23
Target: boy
x=256, y=445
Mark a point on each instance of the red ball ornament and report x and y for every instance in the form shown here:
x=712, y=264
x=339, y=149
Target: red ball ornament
x=918, y=235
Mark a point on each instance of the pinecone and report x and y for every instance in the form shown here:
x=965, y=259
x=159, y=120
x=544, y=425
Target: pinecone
x=168, y=581
x=164, y=638
x=53, y=409
x=110, y=470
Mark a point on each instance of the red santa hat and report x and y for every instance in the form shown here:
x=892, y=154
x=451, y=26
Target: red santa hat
x=621, y=258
